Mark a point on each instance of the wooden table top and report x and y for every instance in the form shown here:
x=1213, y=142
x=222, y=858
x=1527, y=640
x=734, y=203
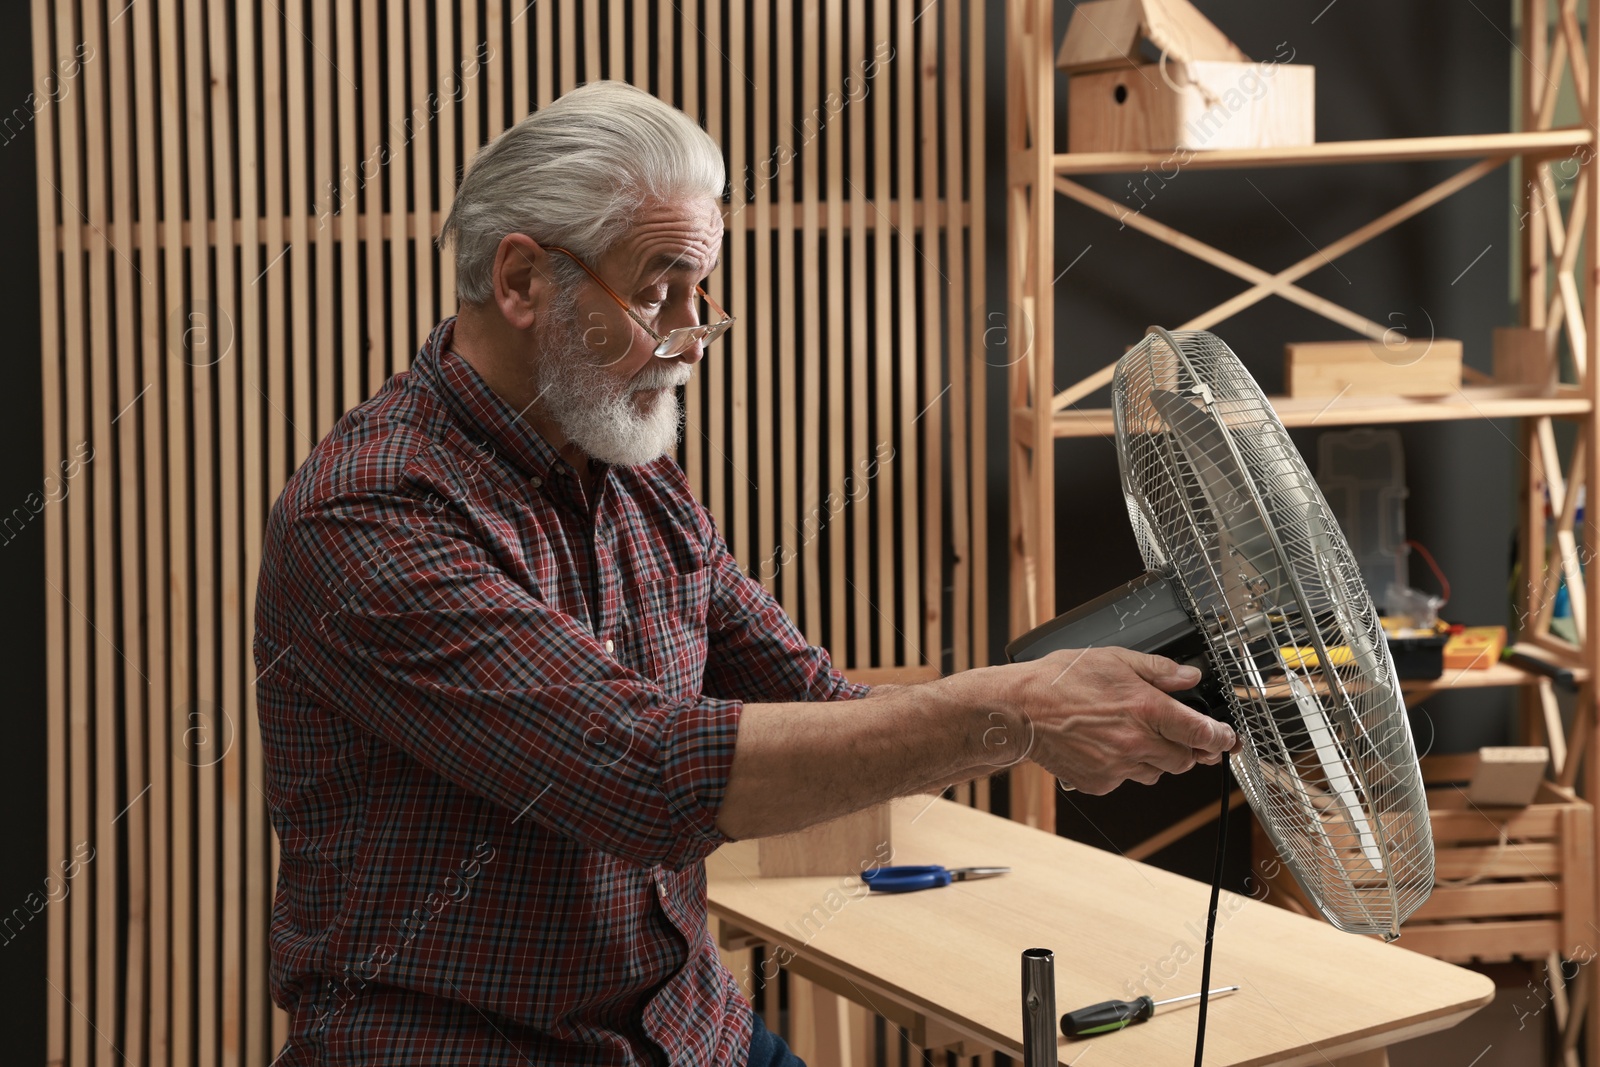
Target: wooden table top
x=1309, y=993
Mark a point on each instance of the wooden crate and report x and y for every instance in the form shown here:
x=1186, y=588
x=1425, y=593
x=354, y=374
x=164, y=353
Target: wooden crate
x=1492, y=903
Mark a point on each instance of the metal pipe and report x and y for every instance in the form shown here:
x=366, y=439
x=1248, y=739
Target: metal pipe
x=1039, y=1008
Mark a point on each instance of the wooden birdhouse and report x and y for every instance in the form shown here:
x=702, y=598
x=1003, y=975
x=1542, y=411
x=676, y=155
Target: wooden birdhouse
x=1155, y=75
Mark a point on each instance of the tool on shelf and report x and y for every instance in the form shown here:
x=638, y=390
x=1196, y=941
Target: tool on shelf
x=1038, y=1008
x=911, y=879
x=1110, y=1015
x=1561, y=676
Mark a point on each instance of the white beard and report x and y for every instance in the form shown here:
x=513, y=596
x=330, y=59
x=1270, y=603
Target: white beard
x=586, y=405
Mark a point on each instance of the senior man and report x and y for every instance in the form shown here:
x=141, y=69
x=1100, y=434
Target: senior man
x=513, y=687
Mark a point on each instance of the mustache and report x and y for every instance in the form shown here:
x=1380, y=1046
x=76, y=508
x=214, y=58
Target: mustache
x=660, y=378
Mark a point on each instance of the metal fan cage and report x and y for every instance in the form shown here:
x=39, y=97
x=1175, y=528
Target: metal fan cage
x=1222, y=503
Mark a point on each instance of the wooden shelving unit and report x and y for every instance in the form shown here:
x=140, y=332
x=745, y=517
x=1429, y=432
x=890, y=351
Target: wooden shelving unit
x=1558, y=298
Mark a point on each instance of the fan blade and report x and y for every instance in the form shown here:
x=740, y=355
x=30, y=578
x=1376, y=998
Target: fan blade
x=1241, y=531
x=1332, y=757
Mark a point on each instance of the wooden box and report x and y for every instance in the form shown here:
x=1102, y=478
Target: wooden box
x=1520, y=896
x=1368, y=368
x=844, y=846
x=1216, y=104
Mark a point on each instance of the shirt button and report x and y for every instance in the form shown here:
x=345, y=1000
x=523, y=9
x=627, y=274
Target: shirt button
x=536, y=482
x=609, y=645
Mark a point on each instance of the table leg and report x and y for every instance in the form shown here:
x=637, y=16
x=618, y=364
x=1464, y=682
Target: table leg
x=1377, y=1057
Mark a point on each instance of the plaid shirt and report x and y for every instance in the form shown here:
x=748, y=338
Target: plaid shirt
x=498, y=717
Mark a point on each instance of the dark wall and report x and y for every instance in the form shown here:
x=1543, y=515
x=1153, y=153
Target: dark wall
x=22, y=750
x=1382, y=70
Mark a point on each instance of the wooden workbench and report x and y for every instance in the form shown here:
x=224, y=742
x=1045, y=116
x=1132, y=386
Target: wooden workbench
x=945, y=963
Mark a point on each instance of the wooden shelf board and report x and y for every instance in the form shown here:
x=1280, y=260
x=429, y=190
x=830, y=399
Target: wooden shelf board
x=1391, y=150
x=1470, y=402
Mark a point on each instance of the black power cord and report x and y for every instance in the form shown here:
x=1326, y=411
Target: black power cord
x=1211, y=917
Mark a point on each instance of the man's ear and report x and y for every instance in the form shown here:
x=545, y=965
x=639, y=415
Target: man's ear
x=521, y=279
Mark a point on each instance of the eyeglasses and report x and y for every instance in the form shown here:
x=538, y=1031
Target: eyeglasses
x=674, y=342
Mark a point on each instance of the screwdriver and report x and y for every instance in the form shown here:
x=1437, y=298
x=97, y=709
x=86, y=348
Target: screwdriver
x=1111, y=1015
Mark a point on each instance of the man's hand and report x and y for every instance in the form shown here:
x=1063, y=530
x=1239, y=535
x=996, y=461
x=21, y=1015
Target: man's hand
x=1095, y=718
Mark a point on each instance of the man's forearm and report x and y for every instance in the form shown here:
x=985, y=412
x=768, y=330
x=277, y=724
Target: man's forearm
x=800, y=764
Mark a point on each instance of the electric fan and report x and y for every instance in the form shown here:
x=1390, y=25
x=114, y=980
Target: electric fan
x=1250, y=578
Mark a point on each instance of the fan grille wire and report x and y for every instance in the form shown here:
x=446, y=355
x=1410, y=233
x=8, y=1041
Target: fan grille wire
x=1328, y=761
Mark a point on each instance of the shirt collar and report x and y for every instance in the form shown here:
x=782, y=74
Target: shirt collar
x=480, y=409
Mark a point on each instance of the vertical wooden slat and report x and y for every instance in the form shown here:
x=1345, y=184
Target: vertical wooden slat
x=521, y=76
x=881, y=500
x=641, y=44
x=546, y=59
x=924, y=617
x=151, y=812
x=302, y=135
x=323, y=226
x=178, y=580
x=812, y=510
x=834, y=50
x=591, y=40
x=960, y=370
x=762, y=311
x=245, y=773
x=398, y=174
x=219, y=758
x=617, y=38
x=781, y=498
x=276, y=326
x=919, y=402
x=495, y=33
x=666, y=48
x=100, y=598
x=450, y=63
x=80, y=739
x=694, y=413
x=474, y=52
x=976, y=365
x=339, y=217
x=376, y=143
x=419, y=129
x=855, y=568
x=739, y=290
x=202, y=308
x=714, y=429
x=58, y=843
x=567, y=76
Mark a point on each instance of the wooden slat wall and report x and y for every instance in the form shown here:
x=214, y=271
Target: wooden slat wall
x=237, y=203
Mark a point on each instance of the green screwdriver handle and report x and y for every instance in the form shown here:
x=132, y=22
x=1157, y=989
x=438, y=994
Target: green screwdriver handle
x=1106, y=1016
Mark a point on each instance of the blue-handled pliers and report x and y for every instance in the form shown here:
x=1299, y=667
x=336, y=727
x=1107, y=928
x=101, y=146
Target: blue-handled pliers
x=910, y=879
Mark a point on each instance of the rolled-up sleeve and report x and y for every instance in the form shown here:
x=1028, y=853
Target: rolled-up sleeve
x=411, y=630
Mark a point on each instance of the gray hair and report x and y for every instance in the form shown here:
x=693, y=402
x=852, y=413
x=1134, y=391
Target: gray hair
x=573, y=173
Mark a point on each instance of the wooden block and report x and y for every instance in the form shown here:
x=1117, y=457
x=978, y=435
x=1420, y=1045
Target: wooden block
x=1522, y=357
x=1508, y=776
x=1476, y=648
x=1369, y=368
x=842, y=847
x=1216, y=105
